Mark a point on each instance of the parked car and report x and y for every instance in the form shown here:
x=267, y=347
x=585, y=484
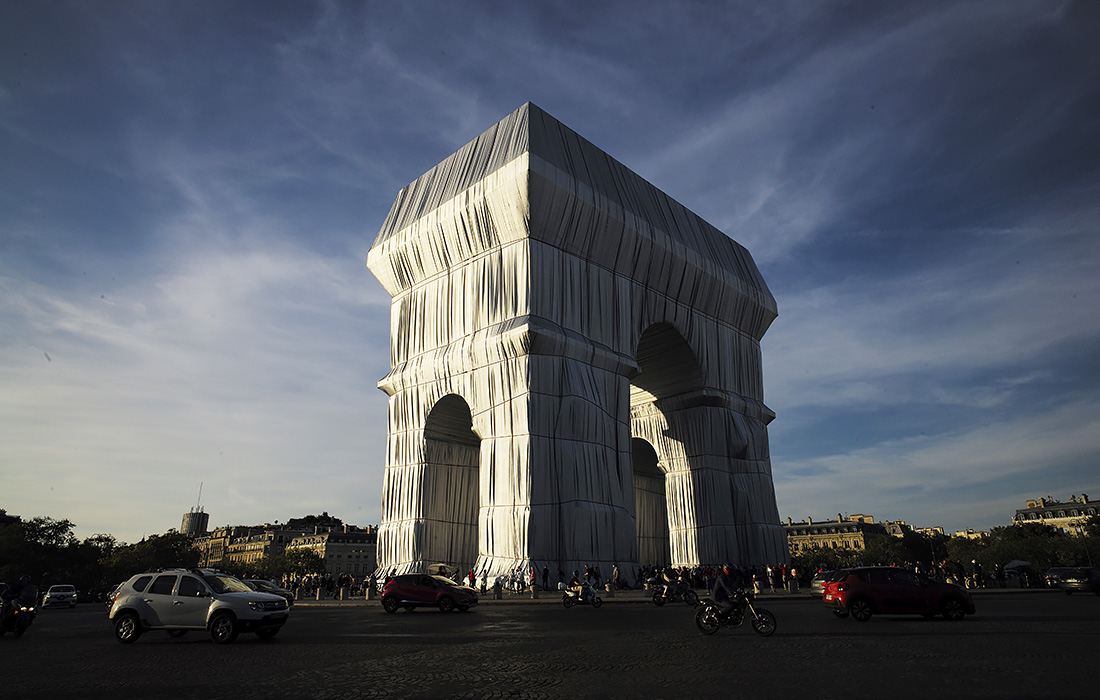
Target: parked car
x=265, y=586
x=109, y=600
x=1081, y=579
x=411, y=591
x=182, y=600
x=866, y=591
x=817, y=583
x=1054, y=575
x=62, y=594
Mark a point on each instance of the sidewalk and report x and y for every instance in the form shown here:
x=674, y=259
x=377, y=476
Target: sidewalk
x=636, y=597
x=551, y=597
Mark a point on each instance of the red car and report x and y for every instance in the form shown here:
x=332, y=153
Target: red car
x=415, y=590
x=872, y=590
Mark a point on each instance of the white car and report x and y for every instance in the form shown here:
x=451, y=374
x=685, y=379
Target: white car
x=64, y=594
x=181, y=600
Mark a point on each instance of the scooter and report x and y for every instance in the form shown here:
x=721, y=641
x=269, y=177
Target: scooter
x=572, y=596
x=710, y=616
x=18, y=613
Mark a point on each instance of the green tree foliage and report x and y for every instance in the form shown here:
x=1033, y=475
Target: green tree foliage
x=1092, y=528
x=172, y=549
x=1040, y=545
x=300, y=562
x=810, y=560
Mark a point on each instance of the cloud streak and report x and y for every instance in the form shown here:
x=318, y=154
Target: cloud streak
x=189, y=193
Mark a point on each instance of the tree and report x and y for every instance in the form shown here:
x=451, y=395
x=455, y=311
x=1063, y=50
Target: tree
x=172, y=549
x=42, y=548
x=300, y=562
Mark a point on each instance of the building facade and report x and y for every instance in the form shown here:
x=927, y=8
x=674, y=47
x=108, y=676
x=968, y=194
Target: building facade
x=252, y=546
x=842, y=533
x=1069, y=516
x=195, y=523
x=345, y=550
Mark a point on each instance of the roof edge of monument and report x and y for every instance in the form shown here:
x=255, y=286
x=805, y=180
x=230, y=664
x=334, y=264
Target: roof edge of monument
x=531, y=129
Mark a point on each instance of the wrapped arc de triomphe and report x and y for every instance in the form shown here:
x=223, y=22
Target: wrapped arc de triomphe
x=576, y=368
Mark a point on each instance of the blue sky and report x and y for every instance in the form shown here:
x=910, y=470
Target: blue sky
x=188, y=192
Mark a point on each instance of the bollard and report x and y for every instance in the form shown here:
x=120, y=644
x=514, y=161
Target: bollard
x=297, y=594
x=343, y=593
x=497, y=592
x=534, y=592
x=609, y=590
x=318, y=594
x=371, y=593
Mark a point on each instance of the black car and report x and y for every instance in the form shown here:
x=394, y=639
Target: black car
x=1081, y=579
x=264, y=586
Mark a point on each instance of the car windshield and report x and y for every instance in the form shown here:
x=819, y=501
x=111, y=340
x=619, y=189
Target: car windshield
x=444, y=580
x=61, y=589
x=263, y=585
x=220, y=583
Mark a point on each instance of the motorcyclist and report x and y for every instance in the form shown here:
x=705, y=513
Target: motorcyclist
x=20, y=590
x=726, y=586
x=587, y=591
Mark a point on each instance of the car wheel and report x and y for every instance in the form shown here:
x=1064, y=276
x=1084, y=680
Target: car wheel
x=953, y=609
x=127, y=628
x=223, y=628
x=268, y=632
x=389, y=604
x=658, y=599
x=691, y=598
x=763, y=623
x=860, y=609
x=706, y=619
x=176, y=633
x=446, y=604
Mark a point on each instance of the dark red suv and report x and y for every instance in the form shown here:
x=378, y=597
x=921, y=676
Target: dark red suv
x=415, y=590
x=871, y=590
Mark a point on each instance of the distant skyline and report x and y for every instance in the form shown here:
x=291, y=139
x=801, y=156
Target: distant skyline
x=188, y=192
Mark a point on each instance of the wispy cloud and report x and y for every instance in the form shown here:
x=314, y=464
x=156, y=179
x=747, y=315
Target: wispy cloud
x=190, y=193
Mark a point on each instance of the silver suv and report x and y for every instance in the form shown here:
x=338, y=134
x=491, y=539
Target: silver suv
x=181, y=600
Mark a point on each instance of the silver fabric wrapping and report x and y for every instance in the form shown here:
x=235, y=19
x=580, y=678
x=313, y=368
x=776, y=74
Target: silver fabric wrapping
x=550, y=310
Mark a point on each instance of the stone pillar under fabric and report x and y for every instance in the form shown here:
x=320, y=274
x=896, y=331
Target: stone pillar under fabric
x=576, y=373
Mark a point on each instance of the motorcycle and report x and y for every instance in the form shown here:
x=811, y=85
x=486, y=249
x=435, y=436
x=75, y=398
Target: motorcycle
x=18, y=613
x=673, y=592
x=710, y=616
x=573, y=597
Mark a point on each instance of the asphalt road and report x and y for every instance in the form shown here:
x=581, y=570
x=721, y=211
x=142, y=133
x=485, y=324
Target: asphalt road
x=1019, y=644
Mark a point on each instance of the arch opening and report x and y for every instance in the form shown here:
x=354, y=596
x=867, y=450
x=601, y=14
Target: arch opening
x=650, y=506
x=451, y=474
x=667, y=366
